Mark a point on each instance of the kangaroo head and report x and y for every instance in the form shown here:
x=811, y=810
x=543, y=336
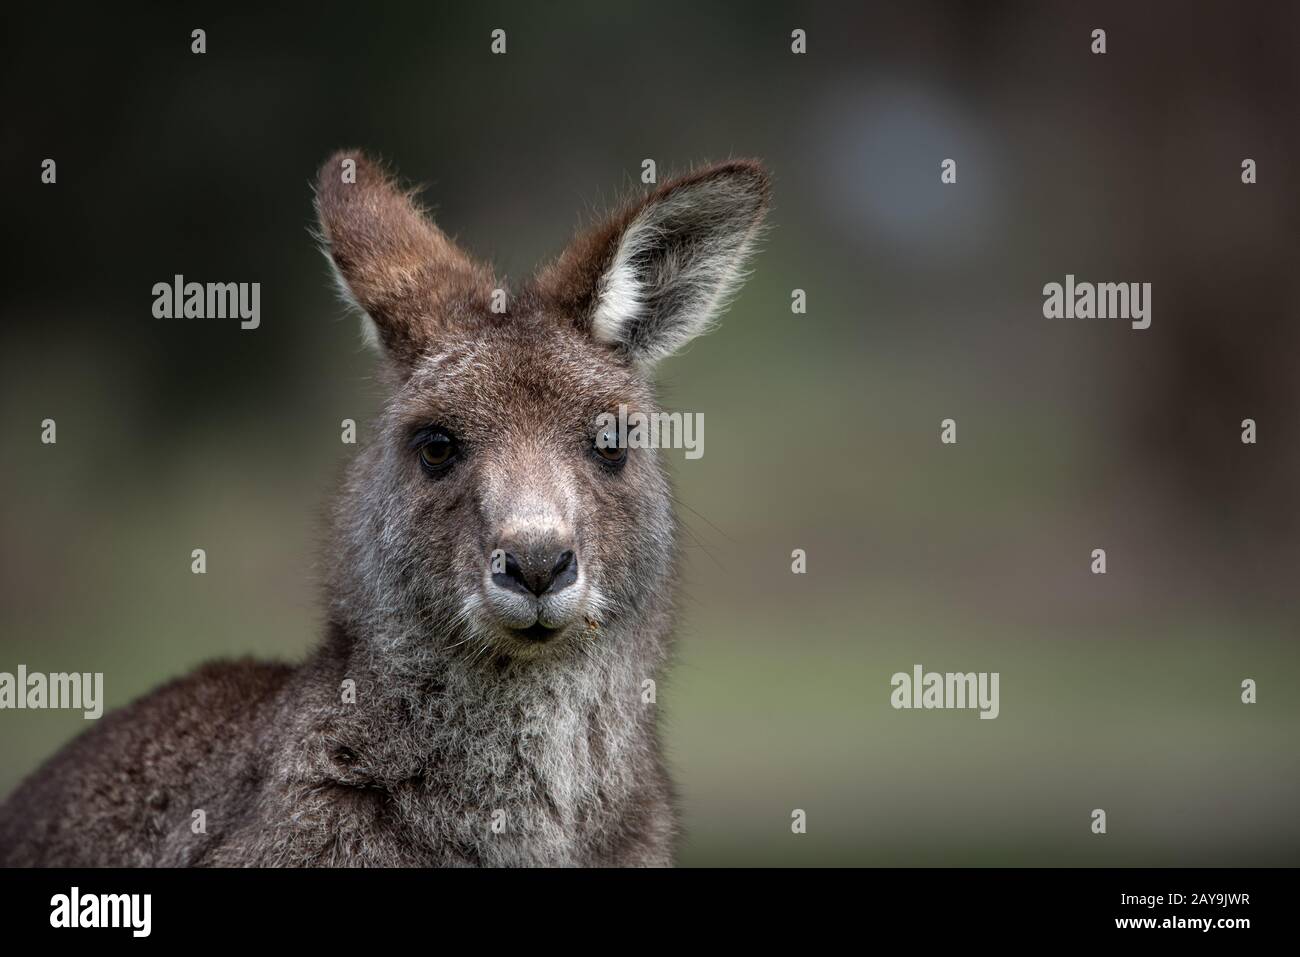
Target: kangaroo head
x=487, y=512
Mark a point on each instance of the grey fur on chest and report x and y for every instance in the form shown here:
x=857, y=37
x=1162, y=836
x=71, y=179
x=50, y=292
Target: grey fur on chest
x=464, y=769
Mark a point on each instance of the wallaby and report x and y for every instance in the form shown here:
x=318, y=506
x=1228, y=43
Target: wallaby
x=500, y=583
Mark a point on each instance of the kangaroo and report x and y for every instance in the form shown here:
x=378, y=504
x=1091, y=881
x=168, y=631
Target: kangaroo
x=499, y=587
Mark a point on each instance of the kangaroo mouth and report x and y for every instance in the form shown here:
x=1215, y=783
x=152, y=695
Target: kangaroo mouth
x=537, y=632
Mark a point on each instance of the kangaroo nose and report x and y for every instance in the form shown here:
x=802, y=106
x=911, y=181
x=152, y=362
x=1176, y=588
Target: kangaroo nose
x=535, y=571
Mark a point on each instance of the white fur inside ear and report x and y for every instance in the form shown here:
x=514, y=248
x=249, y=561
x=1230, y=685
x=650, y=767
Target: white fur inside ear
x=369, y=330
x=677, y=266
x=620, y=297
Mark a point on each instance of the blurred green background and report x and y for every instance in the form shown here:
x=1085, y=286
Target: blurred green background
x=1118, y=691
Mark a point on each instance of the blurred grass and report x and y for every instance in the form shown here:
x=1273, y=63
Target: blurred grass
x=1148, y=727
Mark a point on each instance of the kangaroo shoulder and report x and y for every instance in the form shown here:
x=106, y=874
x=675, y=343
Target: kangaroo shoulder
x=143, y=764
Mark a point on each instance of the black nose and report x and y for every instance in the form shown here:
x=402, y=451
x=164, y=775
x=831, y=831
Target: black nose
x=536, y=571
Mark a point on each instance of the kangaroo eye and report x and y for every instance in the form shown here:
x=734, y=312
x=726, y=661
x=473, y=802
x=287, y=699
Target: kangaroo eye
x=608, y=449
x=436, y=451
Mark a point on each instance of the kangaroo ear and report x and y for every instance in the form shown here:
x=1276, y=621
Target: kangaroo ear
x=658, y=273
x=392, y=262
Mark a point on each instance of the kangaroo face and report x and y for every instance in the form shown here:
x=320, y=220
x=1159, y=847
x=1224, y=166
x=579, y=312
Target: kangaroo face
x=489, y=514
x=504, y=499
